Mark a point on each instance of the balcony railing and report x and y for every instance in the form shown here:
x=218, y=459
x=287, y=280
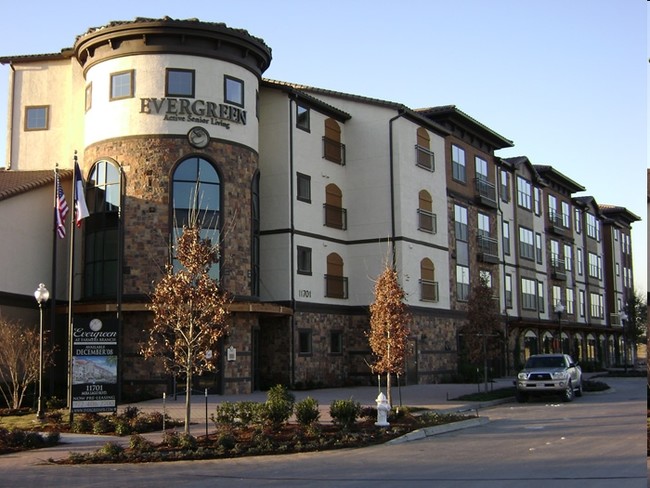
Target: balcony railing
x=488, y=249
x=335, y=217
x=428, y=291
x=334, y=151
x=557, y=221
x=558, y=269
x=486, y=192
x=427, y=221
x=424, y=158
x=336, y=286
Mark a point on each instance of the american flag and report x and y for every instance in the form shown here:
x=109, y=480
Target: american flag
x=61, y=208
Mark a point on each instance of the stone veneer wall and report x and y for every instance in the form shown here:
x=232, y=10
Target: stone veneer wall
x=147, y=163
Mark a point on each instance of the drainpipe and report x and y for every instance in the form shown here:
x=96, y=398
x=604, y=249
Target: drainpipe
x=292, y=341
x=400, y=113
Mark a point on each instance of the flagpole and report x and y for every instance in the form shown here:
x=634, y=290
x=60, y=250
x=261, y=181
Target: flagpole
x=70, y=289
x=54, y=259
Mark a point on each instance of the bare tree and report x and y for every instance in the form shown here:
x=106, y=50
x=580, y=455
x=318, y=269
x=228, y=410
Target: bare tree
x=389, y=319
x=19, y=360
x=190, y=311
x=483, y=327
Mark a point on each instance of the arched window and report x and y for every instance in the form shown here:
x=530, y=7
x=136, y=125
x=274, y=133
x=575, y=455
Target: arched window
x=333, y=150
x=428, y=284
x=101, y=244
x=423, y=154
x=336, y=285
x=426, y=217
x=335, y=214
x=196, y=198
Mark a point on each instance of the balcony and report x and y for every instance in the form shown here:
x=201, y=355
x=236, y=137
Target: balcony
x=427, y=221
x=486, y=193
x=558, y=270
x=336, y=286
x=556, y=224
x=334, y=151
x=488, y=249
x=335, y=217
x=424, y=158
x=428, y=291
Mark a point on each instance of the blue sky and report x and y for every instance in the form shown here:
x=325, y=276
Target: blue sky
x=566, y=81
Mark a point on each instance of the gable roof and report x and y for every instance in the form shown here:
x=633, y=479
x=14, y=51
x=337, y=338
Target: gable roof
x=14, y=183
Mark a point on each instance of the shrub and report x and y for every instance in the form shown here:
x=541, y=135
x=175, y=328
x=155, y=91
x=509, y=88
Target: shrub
x=307, y=411
x=171, y=438
x=187, y=441
x=131, y=412
x=226, y=441
x=54, y=403
x=140, y=444
x=345, y=412
x=82, y=424
x=111, y=450
x=122, y=426
x=102, y=426
x=278, y=406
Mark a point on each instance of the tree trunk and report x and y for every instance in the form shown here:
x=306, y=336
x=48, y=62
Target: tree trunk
x=188, y=398
x=389, y=396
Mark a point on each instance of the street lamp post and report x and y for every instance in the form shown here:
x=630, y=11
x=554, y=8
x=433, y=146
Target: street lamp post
x=559, y=309
x=623, y=317
x=42, y=295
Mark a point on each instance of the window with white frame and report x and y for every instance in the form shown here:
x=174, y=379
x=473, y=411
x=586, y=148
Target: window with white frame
x=458, y=170
x=508, y=289
x=568, y=257
x=460, y=221
x=537, y=200
x=577, y=220
x=506, y=237
x=481, y=167
x=569, y=301
x=526, y=243
x=596, y=305
x=539, y=248
x=581, y=302
x=557, y=295
x=540, y=297
x=593, y=227
x=462, y=283
x=528, y=294
x=595, y=266
x=524, y=193
x=579, y=261
x=505, y=186
x=566, y=215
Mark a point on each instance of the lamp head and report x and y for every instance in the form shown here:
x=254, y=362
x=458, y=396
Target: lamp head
x=41, y=294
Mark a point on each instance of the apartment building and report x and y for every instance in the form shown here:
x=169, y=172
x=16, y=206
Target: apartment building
x=310, y=194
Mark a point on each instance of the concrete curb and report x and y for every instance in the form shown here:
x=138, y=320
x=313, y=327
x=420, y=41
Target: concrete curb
x=439, y=429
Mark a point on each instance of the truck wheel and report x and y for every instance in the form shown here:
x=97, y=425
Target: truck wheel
x=567, y=395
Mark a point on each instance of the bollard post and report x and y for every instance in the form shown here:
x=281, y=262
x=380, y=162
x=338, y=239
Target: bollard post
x=164, y=411
x=206, y=413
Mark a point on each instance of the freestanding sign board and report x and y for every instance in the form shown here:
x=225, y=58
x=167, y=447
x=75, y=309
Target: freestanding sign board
x=94, y=365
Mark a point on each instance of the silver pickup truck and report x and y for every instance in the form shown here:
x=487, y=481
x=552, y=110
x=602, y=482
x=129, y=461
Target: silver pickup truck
x=550, y=373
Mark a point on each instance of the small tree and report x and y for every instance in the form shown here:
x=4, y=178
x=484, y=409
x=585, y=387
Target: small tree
x=19, y=360
x=483, y=326
x=635, y=327
x=389, y=319
x=190, y=311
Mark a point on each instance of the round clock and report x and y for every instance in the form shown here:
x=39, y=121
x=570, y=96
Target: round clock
x=95, y=325
x=198, y=137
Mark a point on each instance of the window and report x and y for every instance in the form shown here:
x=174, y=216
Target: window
x=424, y=156
x=540, y=297
x=505, y=186
x=122, y=85
x=552, y=209
x=538, y=201
x=426, y=219
x=462, y=283
x=539, y=249
x=196, y=190
x=579, y=261
x=524, y=193
x=506, y=238
x=486, y=277
x=302, y=117
x=577, y=220
x=569, y=301
x=595, y=266
x=304, y=260
x=233, y=91
x=336, y=342
x=526, y=245
x=179, y=82
x=304, y=341
x=581, y=302
x=481, y=168
x=483, y=225
x=557, y=295
x=617, y=267
x=88, y=101
x=458, y=164
x=428, y=285
x=36, y=118
x=103, y=198
x=596, y=305
x=508, y=288
x=555, y=254
x=335, y=214
x=568, y=258
x=333, y=150
x=593, y=227
x=566, y=215
x=304, y=187
x=460, y=223
x=528, y=294
x=336, y=285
